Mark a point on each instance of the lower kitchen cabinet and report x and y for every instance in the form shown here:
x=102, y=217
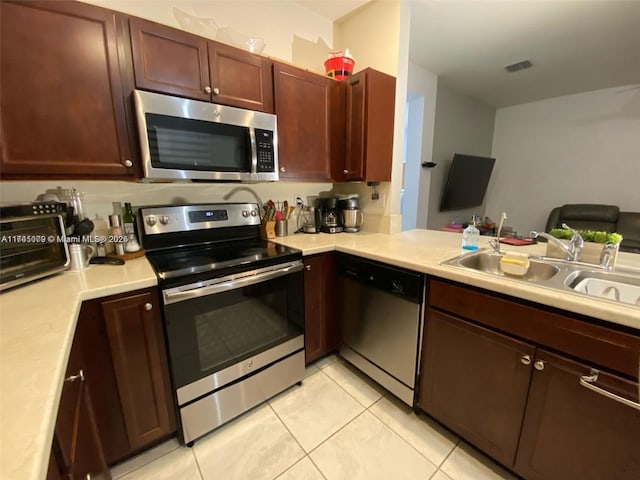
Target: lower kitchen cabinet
x=488, y=372
x=475, y=381
x=571, y=432
x=122, y=343
x=77, y=449
x=321, y=321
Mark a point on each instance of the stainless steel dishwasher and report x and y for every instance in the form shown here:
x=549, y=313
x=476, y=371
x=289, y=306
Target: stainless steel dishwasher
x=381, y=318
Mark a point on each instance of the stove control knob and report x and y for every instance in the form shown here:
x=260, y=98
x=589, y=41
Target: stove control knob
x=254, y=213
x=245, y=213
x=164, y=219
x=151, y=220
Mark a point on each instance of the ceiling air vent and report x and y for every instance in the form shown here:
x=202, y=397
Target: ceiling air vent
x=516, y=67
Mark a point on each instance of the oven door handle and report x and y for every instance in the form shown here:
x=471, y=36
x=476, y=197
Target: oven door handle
x=188, y=292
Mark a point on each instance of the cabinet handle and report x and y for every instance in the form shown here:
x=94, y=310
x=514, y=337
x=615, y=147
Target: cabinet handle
x=525, y=359
x=588, y=381
x=207, y=89
x=73, y=378
x=307, y=268
x=216, y=91
x=345, y=172
x=539, y=365
x=128, y=163
x=282, y=169
x=148, y=306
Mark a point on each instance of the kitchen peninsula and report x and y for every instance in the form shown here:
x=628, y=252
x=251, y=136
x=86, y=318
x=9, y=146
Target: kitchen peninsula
x=38, y=323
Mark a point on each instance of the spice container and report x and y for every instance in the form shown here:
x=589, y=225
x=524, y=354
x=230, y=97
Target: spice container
x=117, y=235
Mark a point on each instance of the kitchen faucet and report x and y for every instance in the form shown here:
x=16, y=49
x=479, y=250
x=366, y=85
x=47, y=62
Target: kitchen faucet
x=245, y=189
x=494, y=243
x=572, y=250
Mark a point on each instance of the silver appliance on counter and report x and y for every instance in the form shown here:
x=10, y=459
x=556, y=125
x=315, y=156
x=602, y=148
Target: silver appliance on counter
x=381, y=317
x=32, y=242
x=183, y=139
x=350, y=214
x=233, y=310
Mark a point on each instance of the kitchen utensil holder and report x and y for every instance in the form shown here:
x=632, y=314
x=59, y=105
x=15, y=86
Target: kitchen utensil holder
x=268, y=229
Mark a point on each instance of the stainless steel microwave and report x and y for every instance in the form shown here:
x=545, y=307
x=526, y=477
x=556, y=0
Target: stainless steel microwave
x=31, y=247
x=185, y=139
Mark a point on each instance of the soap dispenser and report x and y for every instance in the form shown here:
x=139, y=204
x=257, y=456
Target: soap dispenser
x=471, y=236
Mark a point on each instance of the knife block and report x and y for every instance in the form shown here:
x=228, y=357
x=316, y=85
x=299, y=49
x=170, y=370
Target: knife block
x=268, y=229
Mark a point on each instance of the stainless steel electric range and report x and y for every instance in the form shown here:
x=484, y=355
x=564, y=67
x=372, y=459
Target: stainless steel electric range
x=233, y=309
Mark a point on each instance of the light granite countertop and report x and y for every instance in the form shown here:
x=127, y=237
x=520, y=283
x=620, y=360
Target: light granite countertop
x=37, y=324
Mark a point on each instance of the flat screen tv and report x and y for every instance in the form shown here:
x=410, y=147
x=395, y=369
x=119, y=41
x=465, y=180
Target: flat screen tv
x=467, y=182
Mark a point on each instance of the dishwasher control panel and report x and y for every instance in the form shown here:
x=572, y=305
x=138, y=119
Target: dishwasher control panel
x=395, y=280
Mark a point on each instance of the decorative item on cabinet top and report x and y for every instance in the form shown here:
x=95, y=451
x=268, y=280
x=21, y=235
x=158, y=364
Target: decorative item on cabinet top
x=207, y=27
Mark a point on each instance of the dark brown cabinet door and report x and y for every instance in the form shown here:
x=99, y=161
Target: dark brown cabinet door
x=572, y=433
x=123, y=349
x=475, y=381
x=170, y=61
x=320, y=324
x=370, y=106
x=135, y=337
x=62, y=102
x=240, y=78
x=303, y=107
x=174, y=62
x=77, y=449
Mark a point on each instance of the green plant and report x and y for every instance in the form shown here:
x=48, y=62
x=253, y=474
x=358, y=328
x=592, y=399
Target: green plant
x=588, y=235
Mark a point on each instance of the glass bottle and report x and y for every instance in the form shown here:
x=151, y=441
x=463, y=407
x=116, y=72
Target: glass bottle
x=129, y=229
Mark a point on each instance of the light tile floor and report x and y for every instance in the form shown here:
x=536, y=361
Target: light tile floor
x=338, y=425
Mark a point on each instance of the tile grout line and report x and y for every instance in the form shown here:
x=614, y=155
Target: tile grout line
x=406, y=440
x=296, y=440
x=193, y=452
x=347, y=392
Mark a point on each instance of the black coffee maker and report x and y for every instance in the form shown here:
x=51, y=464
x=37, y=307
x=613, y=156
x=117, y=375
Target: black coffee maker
x=331, y=222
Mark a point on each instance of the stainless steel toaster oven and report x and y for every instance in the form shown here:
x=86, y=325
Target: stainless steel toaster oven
x=31, y=247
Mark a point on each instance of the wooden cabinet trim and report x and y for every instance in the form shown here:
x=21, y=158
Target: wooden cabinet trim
x=606, y=347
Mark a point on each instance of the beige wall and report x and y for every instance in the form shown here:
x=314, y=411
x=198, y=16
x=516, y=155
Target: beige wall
x=277, y=22
x=376, y=39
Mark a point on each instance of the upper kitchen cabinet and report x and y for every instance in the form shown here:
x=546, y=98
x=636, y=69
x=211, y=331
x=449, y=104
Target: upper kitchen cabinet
x=62, y=108
x=370, y=105
x=306, y=133
x=171, y=61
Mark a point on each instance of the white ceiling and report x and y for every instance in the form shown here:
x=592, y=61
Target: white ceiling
x=574, y=45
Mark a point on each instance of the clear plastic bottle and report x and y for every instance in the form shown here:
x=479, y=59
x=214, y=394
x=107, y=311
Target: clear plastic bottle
x=471, y=236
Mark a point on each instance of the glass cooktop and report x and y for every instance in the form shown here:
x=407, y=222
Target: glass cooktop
x=196, y=260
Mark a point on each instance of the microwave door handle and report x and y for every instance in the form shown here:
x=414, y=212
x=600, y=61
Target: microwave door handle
x=178, y=295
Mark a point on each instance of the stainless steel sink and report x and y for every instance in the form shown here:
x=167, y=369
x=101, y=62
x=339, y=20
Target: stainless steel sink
x=620, y=286
x=489, y=262
x=607, y=285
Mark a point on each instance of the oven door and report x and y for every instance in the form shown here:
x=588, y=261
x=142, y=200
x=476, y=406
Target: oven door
x=223, y=329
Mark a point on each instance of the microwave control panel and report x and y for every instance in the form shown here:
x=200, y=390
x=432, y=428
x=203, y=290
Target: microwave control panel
x=264, y=150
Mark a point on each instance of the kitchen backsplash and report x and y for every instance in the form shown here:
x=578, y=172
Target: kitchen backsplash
x=99, y=195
